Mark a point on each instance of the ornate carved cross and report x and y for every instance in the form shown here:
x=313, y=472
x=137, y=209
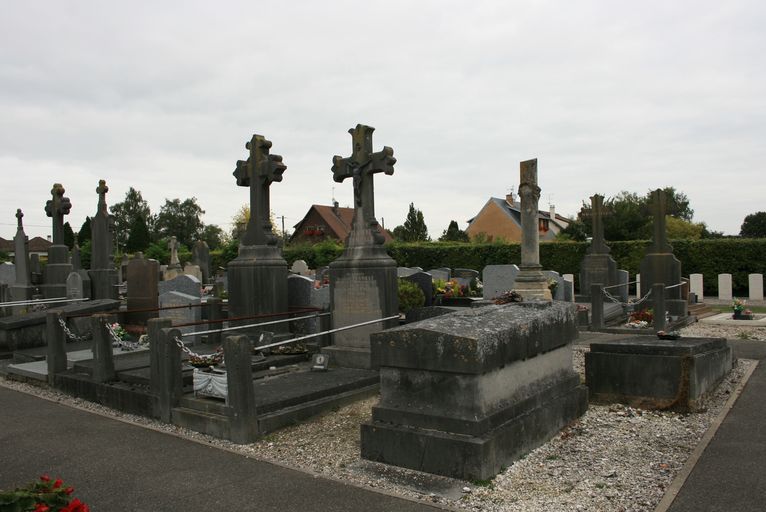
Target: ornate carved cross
x=258, y=172
x=101, y=190
x=19, y=216
x=361, y=166
x=56, y=208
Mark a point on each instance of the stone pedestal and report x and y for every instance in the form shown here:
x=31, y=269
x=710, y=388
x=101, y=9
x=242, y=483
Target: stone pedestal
x=143, y=276
x=363, y=287
x=532, y=285
x=467, y=393
x=665, y=268
x=258, y=284
x=56, y=272
x=597, y=268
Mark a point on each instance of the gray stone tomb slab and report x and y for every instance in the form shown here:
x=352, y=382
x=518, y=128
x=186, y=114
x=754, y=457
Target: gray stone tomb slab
x=184, y=283
x=192, y=313
x=467, y=393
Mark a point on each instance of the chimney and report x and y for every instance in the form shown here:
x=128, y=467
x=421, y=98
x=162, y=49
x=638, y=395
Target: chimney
x=509, y=198
x=553, y=211
x=48, y=238
x=335, y=208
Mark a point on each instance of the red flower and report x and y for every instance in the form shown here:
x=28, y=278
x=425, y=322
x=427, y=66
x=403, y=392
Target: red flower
x=45, y=478
x=69, y=490
x=41, y=507
x=76, y=506
x=57, y=483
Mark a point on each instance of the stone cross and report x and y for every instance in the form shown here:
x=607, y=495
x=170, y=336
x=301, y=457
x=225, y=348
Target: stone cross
x=19, y=216
x=529, y=193
x=56, y=208
x=258, y=172
x=361, y=166
x=102, y=229
x=101, y=190
x=21, y=256
x=597, y=214
x=173, y=246
x=660, y=240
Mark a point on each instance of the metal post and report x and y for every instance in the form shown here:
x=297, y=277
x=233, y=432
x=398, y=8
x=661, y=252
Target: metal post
x=597, y=307
x=241, y=395
x=103, y=360
x=56, y=355
x=658, y=298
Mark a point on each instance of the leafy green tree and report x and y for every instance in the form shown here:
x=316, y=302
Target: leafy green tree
x=159, y=251
x=754, y=226
x=213, y=235
x=414, y=228
x=68, y=235
x=85, y=232
x=139, y=238
x=575, y=231
x=180, y=219
x=453, y=233
x=126, y=212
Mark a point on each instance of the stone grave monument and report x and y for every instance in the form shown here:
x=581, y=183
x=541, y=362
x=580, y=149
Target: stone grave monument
x=531, y=283
x=660, y=265
x=258, y=275
x=363, y=282
x=58, y=268
x=103, y=275
x=22, y=289
x=201, y=258
x=498, y=279
x=598, y=266
x=174, y=268
x=143, y=279
x=467, y=393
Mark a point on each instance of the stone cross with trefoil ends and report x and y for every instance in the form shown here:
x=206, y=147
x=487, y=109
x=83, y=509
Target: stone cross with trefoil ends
x=258, y=172
x=56, y=208
x=361, y=166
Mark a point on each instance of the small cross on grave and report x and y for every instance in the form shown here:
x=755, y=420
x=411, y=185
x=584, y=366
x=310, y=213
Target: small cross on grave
x=258, y=172
x=361, y=166
x=173, y=246
x=56, y=208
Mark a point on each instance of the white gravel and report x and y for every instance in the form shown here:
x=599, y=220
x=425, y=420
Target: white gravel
x=614, y=458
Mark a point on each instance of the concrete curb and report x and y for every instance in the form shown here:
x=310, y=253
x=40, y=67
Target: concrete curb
x=683, y=475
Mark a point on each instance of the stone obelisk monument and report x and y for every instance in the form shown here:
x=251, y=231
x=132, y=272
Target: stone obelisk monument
x=531, y=283
x=363, y=283
x=22, y=289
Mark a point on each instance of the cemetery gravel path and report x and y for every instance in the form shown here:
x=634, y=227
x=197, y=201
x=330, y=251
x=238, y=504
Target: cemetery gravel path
x=115, y=466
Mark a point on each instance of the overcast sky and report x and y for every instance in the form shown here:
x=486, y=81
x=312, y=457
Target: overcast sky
x=162, y=96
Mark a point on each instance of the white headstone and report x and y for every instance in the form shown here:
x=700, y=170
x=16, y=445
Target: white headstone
x=7, y=273
x=192, y=313
x=724, y=287
x=568, y=287
x=638, y=286
x=755, y=285
x=695, y=286
x=300, y=267
x=74, y=286
x=193, y=270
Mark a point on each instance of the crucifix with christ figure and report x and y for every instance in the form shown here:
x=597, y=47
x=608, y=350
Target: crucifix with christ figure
x=361, y=166
x=258, y=172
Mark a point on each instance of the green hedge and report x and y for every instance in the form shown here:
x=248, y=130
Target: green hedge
x=709, y=257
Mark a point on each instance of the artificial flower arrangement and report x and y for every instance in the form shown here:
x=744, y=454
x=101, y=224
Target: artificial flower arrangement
x=203, y=361
x=42, y=496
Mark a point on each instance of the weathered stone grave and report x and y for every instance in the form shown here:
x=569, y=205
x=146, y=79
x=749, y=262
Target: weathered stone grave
x=300, y=267
x=465, y=276
x=467, y=393
x=7, y=273
x=424, y=281
x=170, y=302
x=301, y=293
x=363, y=283
x=441, y=274
x=174, y=268
x=143, y=279
x=201, y=258
x=103, y=275
x=598, y=266
x=22, y=288
x=558, y=292
x=498, y=279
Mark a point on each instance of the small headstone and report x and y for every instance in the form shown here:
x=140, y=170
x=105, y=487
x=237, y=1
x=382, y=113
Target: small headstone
x=558, y=292
x=74, y=286
x=724, y=287
x=755, y=285
x=192, y=313
x=320, y=362
x=184, y=283
x=696, y=286
x=405, y=271
x=142, y=278
x=441, y=274
x=568, y=287
x=36, y=273
x=498, y=279
x=7, y=273
x=623, y=278
x=424, y=281
x=300, y=267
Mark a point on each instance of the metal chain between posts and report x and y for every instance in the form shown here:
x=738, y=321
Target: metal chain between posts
x=196, y=358
x=123, y=344
x=72, y=336
x=616, y=301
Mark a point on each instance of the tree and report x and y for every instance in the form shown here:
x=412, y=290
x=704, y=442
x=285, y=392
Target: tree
x=126, y=212
x=754, y=226
x=576, y=231
x=453, y=233
x=242, y=217
x=213, y=236
x=414, y=228
x=68, y=235
x=139, y=238
x=85, y=233
x=180, y=219
x=679, y=229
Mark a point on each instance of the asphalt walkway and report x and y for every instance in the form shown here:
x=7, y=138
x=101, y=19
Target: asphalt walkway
x=115, y=466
